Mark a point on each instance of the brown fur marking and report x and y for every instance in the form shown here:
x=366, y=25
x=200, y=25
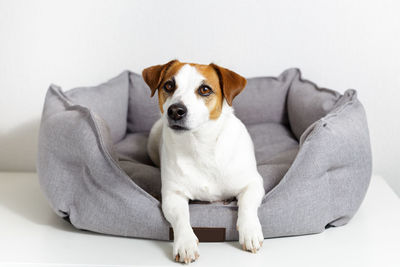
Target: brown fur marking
x=214, y=101
x=232, y=83
x=171, y=71
x=223, y=82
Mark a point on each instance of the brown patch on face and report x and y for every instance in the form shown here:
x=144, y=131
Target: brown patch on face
x=223, y=82
x=162, y=94
x=157, y=76
x=215, y=100
x=231, y=83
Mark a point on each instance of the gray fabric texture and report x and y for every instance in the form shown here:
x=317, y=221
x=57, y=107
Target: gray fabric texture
x=312, y=149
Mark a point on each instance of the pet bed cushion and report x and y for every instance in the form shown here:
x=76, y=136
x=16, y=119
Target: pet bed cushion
x=312, y=149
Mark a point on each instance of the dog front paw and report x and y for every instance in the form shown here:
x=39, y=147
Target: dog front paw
x=250, y=234
x=186, y=248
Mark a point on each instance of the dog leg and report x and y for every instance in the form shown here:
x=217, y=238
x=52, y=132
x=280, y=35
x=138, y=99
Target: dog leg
x=176, y=210
x=248, y=224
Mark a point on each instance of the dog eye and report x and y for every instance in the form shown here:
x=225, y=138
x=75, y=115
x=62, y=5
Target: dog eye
x=204, y=90
x=169, y=86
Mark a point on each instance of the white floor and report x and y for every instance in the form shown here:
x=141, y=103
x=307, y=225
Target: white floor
x=31, y=234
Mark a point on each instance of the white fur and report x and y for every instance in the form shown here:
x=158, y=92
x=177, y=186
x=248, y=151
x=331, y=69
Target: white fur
x=212, y=161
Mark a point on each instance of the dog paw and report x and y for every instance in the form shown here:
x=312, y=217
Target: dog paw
x=250, y=234
x=186, y=248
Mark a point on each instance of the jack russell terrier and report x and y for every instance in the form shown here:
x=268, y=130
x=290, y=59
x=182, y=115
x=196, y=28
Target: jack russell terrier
x=205, y=152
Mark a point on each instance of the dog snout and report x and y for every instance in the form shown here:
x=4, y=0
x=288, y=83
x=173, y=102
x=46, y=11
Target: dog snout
x=177, y=111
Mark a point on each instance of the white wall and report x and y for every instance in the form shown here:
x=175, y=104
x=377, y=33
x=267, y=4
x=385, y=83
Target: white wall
x=337, y=44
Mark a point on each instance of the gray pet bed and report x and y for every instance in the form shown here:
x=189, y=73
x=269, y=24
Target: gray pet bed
x=312, y=148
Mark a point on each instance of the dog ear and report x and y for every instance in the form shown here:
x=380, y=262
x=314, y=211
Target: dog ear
x=153, y=75
x=230, y=82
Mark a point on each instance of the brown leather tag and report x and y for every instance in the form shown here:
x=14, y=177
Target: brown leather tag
x=205, y=234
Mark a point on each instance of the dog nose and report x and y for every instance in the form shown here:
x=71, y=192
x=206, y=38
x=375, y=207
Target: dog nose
x=177, y=111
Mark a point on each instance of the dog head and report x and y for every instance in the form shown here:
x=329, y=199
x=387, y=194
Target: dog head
x=190, y=94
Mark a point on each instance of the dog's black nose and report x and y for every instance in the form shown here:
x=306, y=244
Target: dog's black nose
x=177, y=111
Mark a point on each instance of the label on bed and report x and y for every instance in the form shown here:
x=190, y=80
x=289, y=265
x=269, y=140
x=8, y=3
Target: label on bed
x=205, y=234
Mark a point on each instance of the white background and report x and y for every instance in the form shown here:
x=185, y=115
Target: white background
x=337, y=44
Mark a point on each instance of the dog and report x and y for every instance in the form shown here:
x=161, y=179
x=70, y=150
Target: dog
x=203, y=150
